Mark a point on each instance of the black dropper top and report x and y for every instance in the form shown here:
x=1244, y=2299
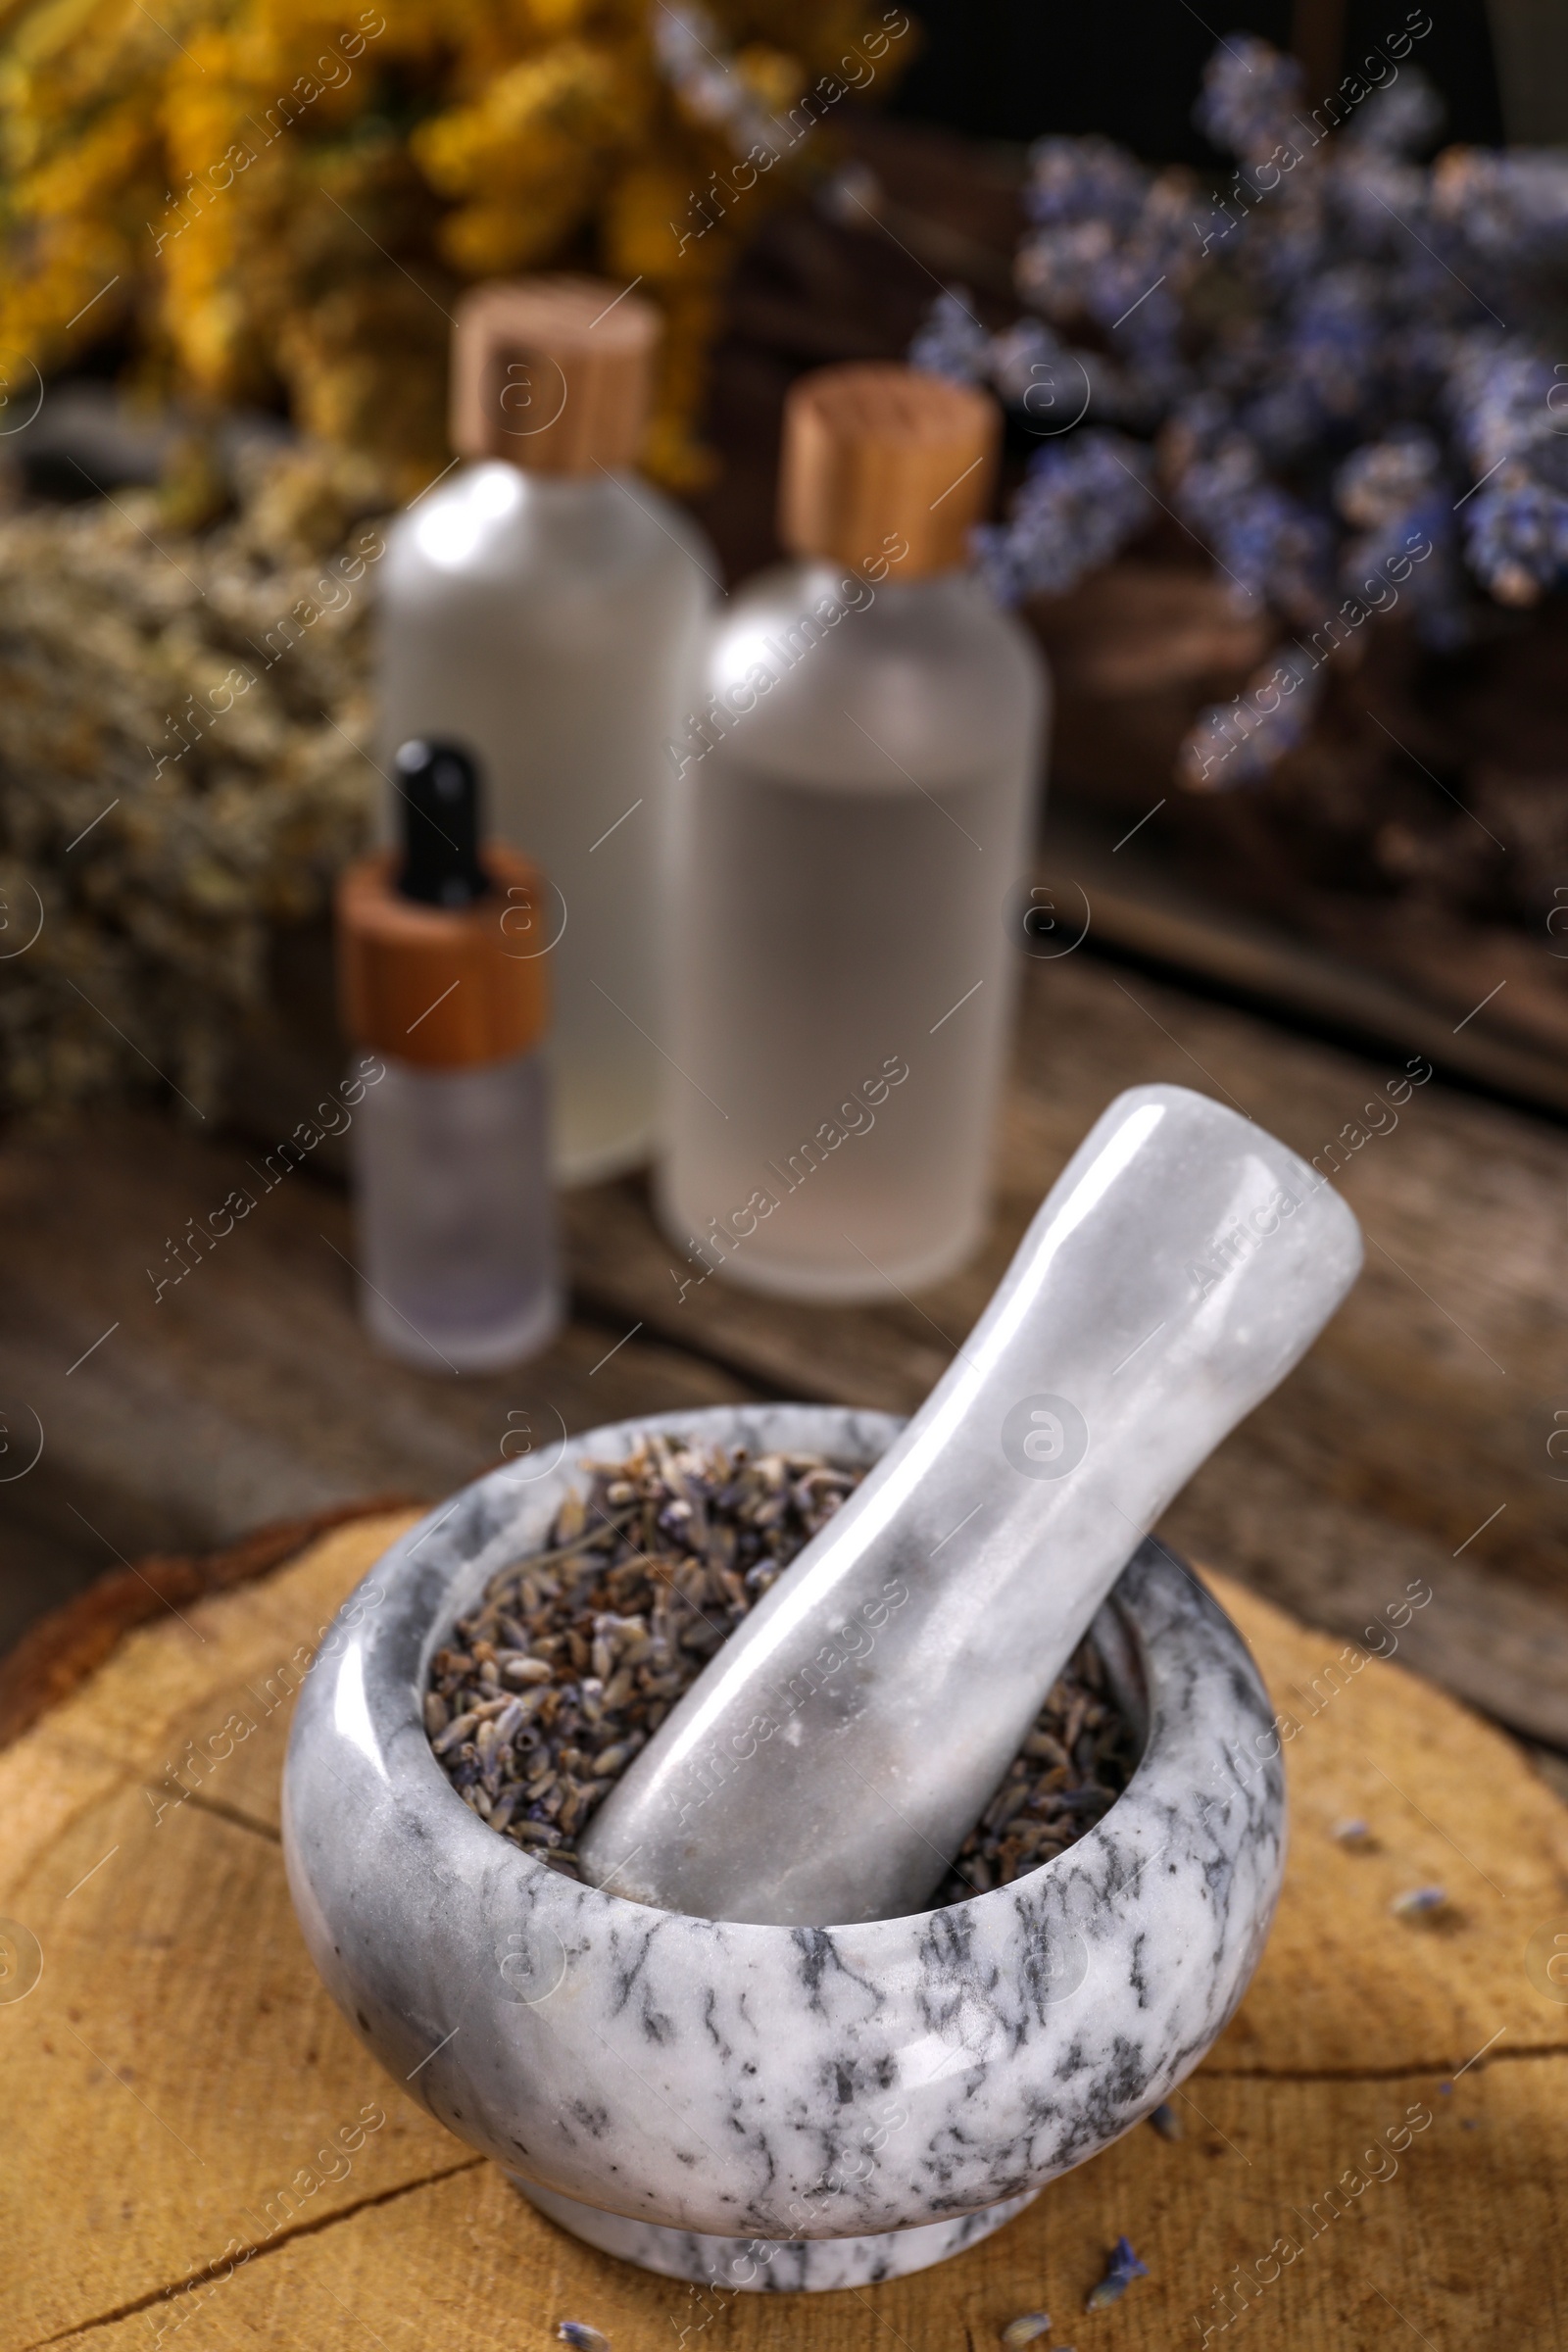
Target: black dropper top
x=438, y=788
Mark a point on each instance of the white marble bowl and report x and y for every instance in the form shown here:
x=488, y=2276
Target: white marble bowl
x=767, y=2106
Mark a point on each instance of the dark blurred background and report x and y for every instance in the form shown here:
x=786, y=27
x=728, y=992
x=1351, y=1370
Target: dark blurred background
x=1013, y=69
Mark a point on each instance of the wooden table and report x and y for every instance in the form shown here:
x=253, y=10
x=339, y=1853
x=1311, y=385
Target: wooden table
x=173, y=2073
x=177, y=2066
x=1421, y=1439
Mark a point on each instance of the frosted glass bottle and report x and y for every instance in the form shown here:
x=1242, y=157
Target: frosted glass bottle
x=847, y=858
x=454, y=1217
x=456, y=1237
x=854, y=809
x=546, y=607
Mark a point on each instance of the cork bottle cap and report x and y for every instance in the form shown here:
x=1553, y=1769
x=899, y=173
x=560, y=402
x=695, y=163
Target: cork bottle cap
x=443, y=987
x=553, y=373
x=876, y=452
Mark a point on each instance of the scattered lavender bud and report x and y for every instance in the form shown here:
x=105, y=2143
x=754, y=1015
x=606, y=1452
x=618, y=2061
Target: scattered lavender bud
x=582, y=2338
x=1167, y=2123
x=1420, y=1902
x=1122, y=2267
x=1025, y=2328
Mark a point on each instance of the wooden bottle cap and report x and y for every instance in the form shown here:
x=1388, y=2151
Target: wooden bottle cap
x=443, y=987
x=554, y=374
x=876, y=451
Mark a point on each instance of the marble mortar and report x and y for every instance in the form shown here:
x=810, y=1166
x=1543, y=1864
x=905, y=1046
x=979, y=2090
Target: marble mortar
x=775, y=2107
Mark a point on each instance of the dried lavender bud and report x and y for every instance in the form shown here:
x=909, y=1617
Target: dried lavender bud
x=1122, y=2267
x=639, y=1582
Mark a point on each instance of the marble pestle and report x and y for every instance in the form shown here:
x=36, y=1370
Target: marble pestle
x=830, y=1759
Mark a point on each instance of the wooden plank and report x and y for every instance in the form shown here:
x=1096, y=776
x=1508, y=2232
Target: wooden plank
x=176, y=2072
x=1317, y=39
x=1425, y=1411
x=1458, y=2237
x=70, y=1643
x=1235, y=891
x=158, y=1707
x=1530, y=40
x=249, y=1393
x=1410, y=1444
x=1517, y=1045
x=181, y=2065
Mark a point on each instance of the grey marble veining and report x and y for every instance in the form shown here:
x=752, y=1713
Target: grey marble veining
x=1181, y=1264
x=774, y=2266
x=705, y=2079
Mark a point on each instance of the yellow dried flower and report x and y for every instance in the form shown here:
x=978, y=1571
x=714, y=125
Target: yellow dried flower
x=282, y=203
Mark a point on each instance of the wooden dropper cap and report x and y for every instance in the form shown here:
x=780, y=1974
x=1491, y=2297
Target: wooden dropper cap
x=453, y=975
x=876, y=451
x=552, y=374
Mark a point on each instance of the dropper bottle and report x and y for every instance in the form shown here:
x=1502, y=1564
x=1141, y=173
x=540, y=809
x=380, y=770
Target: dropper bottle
x=442, y=976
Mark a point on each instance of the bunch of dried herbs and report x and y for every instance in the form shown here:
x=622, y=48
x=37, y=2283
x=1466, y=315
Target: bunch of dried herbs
x=181, y=773
x=577, y=1652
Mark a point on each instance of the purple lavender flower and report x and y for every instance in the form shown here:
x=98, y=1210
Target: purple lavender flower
x=1122, y=2267
x=1233, y=745
x=1030, y=366
x=1083, y=179
x=1056, y=270
x=1270, y=546
x=1509, y=207
x=951, y=341
x=1250, y=94
x=1505, y=400
x=1334, y=341
x=1381, y=481
x=1399, y=496
x=1342, y=355
x=1511, y=411
x=1516, y=536
x=1378, y=208
x=1113, y=244
x=1399, y=119
x=1082, y=500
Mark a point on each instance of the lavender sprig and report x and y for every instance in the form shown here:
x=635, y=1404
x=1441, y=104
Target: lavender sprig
x=1251, y=95
x=1341, y=355
x=1082, y=500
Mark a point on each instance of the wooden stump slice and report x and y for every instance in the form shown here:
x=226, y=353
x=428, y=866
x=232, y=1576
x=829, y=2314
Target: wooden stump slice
x=1375, y=2154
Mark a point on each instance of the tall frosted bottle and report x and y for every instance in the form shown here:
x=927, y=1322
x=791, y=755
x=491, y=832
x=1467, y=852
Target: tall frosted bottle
x=545, y=606
x=854, y=807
